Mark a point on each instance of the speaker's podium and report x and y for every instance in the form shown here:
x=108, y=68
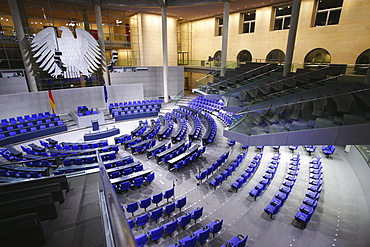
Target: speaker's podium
x=95, y=125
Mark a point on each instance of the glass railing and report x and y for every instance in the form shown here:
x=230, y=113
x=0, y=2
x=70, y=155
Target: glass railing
x=339, y=109
x=365, y=152
x=202, y=83
x=178, y=96
x=213, y=64
x=120, y=232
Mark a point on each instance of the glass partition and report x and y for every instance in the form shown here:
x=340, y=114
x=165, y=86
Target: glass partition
x=343, y=107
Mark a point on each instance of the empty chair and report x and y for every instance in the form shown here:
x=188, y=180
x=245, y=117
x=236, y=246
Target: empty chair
x=184, y=220
x=181, y=203
x=142, y=220
x=169, y=193
x=196, y=213
x=132, y=208
x=156, y=214
x=168, y=209
x=115, y=174
x=203, y=234
x=125, y=186
x=127, y=171
x=189, y=241
x=238, y=241
x=149, y=179
x=170, y=227
x=35, y=175
x=157, y=198
x=201, y=176
x=156, y=233
x=145, y=203
x=90, y=160
x=78, y=161
x=141, y=239
x=139, y=168
x=215, y=226
x=138, y=182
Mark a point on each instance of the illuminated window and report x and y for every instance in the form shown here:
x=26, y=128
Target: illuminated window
x=249, y=22
x=328, y=12
x=282, y=17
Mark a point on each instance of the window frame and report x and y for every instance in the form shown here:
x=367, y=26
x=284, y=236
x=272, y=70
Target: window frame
x=328, y=12
x=219, y=28
x=282, y=17
x=249, y=22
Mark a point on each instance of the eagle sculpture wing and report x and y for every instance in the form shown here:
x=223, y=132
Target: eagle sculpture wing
x=44, y=45
x=89, y=51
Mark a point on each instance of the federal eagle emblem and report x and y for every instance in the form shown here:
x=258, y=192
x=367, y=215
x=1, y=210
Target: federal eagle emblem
x=67, y=56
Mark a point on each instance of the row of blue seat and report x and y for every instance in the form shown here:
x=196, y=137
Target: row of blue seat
x=135, y=183
x=211, y=129
x=213, y=167
x=165, y=133
x=239, y=241
x=180, y=133
x=200, y=236
x=143, y=219
x=134, y=112
x=185, y=158
x=310, y=202
x=157, y=149
x=225, y=117
x=30, y=123
x=24, y=130
x=328, y=150
x=19, y=174
x=228, y=170
x=145, y=203
x=248, y=173
x=135, y=103
x=26, y=118
x=170, y=227
x=266, y=178
x=286, y=187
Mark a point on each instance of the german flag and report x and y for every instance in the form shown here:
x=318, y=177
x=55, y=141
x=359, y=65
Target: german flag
x=51, y=100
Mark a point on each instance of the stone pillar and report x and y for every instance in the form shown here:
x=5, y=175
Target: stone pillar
x=165, y=53
x=23, y=46
x=99, y=24
x=291, y=36
x=225, y=37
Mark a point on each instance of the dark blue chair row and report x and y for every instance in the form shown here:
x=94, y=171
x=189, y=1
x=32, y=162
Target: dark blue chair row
x=248, y=173
x=135, y=183
x=143, y=219
x=145, y=203
x=166, y=132
x=239, y=241
x=310, y=149
x=328, y=150
x=225, y=117
x=19, y=174
x=180, y=132
x=208, y=171
x=182, y=221
x=228, y=170
x=286, y=187
x=266, y=178
x=310, y=202
x=26, y=118
x=31, y=128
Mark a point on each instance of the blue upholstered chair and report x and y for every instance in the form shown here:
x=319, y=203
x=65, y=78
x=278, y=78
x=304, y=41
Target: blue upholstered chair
x=156, y=234
x=132, y=208
x=145, y=203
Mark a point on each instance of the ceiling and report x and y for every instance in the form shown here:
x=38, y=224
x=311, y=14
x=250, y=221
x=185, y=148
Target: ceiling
x=183, y=9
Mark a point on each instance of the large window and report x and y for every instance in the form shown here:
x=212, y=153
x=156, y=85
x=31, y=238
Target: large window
x=282, y=17
x=248, y=22
x=219, y=26
x=328, y=12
